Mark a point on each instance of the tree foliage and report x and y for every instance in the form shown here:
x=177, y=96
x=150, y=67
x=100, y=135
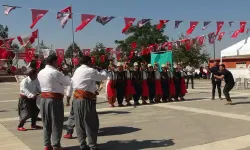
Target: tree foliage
x=97, y=52
x=73, y=48
x=4, y=31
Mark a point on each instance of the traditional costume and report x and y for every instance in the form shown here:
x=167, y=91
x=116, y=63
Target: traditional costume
x=129, y=90
x=110, y=88
x=151, y=83
x=158, y=88
x=84, y=104
x=52, y=84
x=145, y=89
x=165, y=84
x=183, y=85
x=137, y=83
x=171, y=84
x=120, y=85
x=27, y=108
x=177, y=83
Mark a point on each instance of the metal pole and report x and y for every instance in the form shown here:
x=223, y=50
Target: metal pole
x=214, y=51
x=73, y=33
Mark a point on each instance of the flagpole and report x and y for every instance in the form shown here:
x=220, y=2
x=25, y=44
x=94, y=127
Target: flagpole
x=73, y=33
x=38, y=42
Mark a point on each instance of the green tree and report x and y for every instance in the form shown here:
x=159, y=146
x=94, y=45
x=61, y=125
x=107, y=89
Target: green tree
x=143, y=36
x=97, y=52
x=42, y=45
x=4, y=31
x=73, y=48
x=195, y=56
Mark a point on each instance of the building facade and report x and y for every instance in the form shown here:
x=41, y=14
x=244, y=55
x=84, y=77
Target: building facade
x=233, y=62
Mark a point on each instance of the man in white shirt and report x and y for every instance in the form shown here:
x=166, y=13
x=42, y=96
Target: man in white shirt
x=190, y=75
x=52, y=83
x=84, y=103
x=27, y=108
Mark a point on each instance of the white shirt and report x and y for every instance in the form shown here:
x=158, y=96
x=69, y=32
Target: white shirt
x=52, y=80
x=110, y=75
x=144, y=75
x=190, y=70
x=157, y=75
x=69, y=90
x=29, y=87
x=85, y=78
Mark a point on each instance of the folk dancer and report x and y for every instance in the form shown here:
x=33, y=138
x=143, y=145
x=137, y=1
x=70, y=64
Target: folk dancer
x=177, y=84
x=137, y=83
x=164, y=84
x=158, y=88
x=145, y=89
x=110, y=86
x=229, y=80
x=84, y=103
x=183, y=84
x=120, y=84
x=171, y=82
x=52, y=84
x=129, y=89
x=27, y=108
x=151, y=83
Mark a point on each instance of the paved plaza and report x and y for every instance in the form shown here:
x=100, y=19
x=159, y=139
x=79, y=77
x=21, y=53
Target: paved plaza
x=195, y=124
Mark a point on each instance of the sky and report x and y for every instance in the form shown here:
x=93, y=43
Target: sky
x=51, y=32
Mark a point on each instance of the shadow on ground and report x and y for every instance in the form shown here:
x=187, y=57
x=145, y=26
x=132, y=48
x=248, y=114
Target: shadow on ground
x=241, y=103
x=109, y=131
x=132, y=145
x=113, y=112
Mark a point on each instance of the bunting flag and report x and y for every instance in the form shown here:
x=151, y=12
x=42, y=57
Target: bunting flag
x=219, y=26
x=108, y=49
x=63, y=17
x=60, y=56
x=104, y=19
x=118, y=55
x=8, y=9
x=230, y=23
x=205, y=24
x=6, y=43
x=86, y=19
x=93, y=60
x=211, y=38
x=164, y=45
x=161, y=23
x=177, y=24
x=201, y=39
x=86, y=52
x=24, y=40
x=67, y=10
x=38, y=64
x=75, y=61
x=128, y=23
x=242, y=26
x=37, y=14
x=29, y=53
x=188, y=44
x=133, y=45
x=193, y=24
x=236, y=33
x=102, y=58
x=142, y=22
x=170, y=45
x=221, y=36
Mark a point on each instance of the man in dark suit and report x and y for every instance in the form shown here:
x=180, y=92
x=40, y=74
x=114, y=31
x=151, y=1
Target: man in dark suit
x=215, y=81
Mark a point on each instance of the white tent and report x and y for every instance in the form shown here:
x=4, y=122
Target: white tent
x=239, y=49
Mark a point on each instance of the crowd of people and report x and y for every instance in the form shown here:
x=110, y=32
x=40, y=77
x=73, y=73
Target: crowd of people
x=153, y=83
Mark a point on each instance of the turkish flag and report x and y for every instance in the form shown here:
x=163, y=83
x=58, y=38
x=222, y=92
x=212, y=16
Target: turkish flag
x=193, y=24
x=29, y=53
x=86, y=52
x=133, y=45
x=170, y=45
x=102, y=58
x=38, y=63
x=67, y=10
x=242, y=26
x=86, y=18
x=24, y=40
x=128, y=23
x=187, y=44
x=201, y=39
x=236, y=33
x=93, y=60
x=118, y=56
x=219, y=26
x=131, y=54
x=60, y=56
x=75, y=61
x=221, y=36
x=37, y=14
x=108, y=49
x=161, y=23
x=164, y=45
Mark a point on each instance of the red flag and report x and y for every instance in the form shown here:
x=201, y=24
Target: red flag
x=193, y=24
x=103, y=58
x=131, y=54
x=29, y=53
x=60, y=56
x=201, y=39
x=221, y=36
x=93, y=60
x=36, y=16
x=86, y=18
x=75, y=61
x=236, y=33
x=242, y=26
x=161, y=23
x=128, y=23
x=118, y=56
x=187, y=44
x=66, y=10
x=108, y=49
x=219, y=26
x=133, y=45
x=164, y=44
x=86, y=52
x=170, y=45
x=211, y=37
x=38, y=63
x=24, y=40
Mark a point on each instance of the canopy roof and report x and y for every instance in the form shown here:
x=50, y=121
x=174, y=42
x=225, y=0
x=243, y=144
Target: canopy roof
x=238, y=49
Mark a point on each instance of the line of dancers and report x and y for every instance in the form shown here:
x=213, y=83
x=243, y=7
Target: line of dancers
x=145, y=82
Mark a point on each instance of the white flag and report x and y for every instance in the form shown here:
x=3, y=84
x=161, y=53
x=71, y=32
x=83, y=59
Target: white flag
x=63, y=17
x=8, y=9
